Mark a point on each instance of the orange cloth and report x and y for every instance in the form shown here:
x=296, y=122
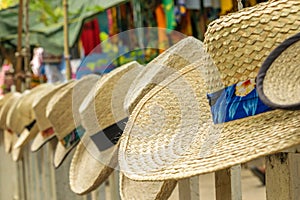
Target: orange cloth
x=161, y=23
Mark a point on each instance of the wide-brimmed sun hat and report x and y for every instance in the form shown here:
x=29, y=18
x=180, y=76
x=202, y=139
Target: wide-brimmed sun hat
x=26, y=119
x=13, y=127
x=171, y=60
x=6, y=133
x=278, y=81
x=172, y=134
x=62, y=112
x=39, y=107
x=103, y=117
x=8, y=101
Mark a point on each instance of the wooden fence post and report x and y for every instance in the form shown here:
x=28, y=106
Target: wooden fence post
x=283, y=176
x=189, y=188
x=114, y=185
x=228, y=184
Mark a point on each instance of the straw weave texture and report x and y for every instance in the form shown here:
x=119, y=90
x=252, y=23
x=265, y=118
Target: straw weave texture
x=59, y=111
x=170, y=136
x=282, y=81
x=7, y=100
x=101, y=108
x=131, y=190
x=240, y=42
x=77, y=93
x=40, y=106
x=176, y=57
x=13, y=116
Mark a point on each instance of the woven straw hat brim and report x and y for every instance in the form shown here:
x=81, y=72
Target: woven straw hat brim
x=16, y=153
x=185, y=142
x=150, y=190
x=5, y=108
x=39, y=141
x=87, y=172
x=176, y=57
x=61, y=153
x=26, y=136
x=40, y=105
x=278, y=81
x=102, y=108
x=7, y=141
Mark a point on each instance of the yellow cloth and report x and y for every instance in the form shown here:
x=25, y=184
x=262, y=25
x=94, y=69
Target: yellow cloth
x=226, y=6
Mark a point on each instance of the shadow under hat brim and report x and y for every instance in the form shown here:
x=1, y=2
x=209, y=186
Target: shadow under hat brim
x=267, y=65
x=87, y=172
x=186, y=142
x=26, y=136
x=39, y=141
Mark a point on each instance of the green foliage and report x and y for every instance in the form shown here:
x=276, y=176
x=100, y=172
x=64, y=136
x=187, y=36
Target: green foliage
x=48, y=13
x=7, y=3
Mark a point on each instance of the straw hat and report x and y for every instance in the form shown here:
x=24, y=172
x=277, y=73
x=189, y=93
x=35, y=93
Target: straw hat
x=176, y=57
x=26, y=120
x=172, y=134
x=39, y=107
x=6, y=133
x=278, y=81
x=173, y=59
x=62, y=112
x=8, y=101
x=4, y=98
x=103, y=116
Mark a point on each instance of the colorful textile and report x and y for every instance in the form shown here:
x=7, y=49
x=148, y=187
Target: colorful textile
x=168, y=6
x=90, y=36
x=73, y=137
x=226, y=6
x=103, y=22
x=235, y=102
x=47, y=133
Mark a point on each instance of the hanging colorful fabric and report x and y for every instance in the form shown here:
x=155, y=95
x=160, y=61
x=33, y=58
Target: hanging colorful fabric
x=168, y=6
x=161, y=23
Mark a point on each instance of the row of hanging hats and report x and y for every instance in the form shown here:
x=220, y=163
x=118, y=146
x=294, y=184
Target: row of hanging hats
x=196, y=108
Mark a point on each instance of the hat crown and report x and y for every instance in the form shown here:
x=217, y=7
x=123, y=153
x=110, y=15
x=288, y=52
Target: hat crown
x=240, y=42
x=105, y=102
x=24, y=106
x=183, y=53
x=8, y=116
x=62, y=109
x=40, y=107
